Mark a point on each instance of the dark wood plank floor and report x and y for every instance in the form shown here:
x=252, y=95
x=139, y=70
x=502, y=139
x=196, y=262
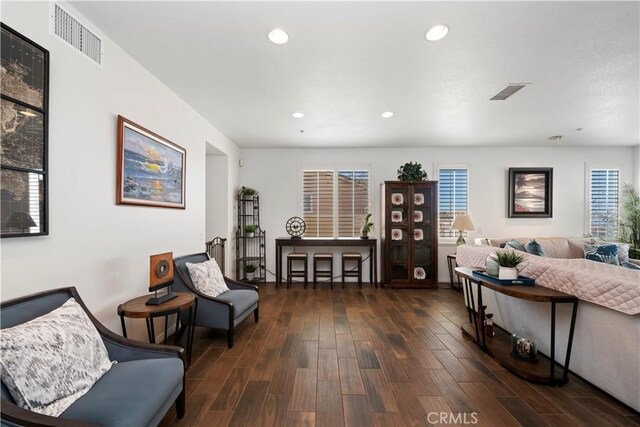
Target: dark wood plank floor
x=370, y=357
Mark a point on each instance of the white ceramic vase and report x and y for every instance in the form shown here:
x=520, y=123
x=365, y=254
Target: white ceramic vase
x=508, y=273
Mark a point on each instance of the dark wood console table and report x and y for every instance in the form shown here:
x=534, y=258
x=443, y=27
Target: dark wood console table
x=372, y=244
x=544, y=370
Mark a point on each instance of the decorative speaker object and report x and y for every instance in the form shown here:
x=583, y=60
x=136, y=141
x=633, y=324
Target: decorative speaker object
x=396, y=216
x=397, y=199
x=417, y=216
x=523, y=347
x=418, y=234
x=419, y=273
x=418, y=199
x=396, y=234
x=160, y=277
x=295, y=227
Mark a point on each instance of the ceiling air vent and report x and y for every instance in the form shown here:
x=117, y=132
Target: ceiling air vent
x=507, y=91
x=77, y=35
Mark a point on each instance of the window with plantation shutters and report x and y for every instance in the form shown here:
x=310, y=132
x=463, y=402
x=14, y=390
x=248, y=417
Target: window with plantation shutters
x=604, y=202
x=334, y=202
x=452, y=198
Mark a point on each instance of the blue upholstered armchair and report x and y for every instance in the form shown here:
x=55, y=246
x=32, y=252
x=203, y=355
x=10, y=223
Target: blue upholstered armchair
x=224, y=311
x=136, y=391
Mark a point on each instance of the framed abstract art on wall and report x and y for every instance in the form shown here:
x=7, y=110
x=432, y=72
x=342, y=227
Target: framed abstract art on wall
x=530, y=192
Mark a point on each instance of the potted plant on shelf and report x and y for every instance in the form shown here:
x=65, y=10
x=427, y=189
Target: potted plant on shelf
x=248, y=192
x=508, y=262
x=367, y=226
x=412, y=172
x=630, y=220
x=250, y=230
x=250, y=271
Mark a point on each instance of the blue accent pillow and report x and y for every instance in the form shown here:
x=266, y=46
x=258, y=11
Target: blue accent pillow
x=601, y=253
x=515, y=245
x=630, y=265
x=534, y=248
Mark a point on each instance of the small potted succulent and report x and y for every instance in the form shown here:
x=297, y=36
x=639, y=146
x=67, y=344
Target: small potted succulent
x=250, y=230
x=412, y=172
x=508, y=262
x=250, y=271
x=367, y=226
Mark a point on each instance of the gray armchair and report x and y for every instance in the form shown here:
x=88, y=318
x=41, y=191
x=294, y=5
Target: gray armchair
x=224, y=311
x=137, y=391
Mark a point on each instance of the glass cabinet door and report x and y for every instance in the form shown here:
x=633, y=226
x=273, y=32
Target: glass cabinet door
x=422, y=245
x=399, y=232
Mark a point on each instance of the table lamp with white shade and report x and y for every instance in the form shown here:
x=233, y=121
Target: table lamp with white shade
x=462, y=223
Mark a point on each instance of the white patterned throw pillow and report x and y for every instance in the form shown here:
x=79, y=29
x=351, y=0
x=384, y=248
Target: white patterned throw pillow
x=51, y=361
x=207, y=278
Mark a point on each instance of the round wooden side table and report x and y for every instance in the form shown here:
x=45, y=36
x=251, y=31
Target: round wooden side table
x=138, y=309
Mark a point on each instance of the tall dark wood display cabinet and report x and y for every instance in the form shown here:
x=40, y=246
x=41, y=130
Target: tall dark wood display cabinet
x=409, y=234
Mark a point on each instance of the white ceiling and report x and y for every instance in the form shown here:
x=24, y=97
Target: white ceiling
x=347, y=62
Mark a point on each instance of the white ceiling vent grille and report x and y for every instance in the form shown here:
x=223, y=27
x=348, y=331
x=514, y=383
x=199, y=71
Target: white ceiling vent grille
x=507, y=92
x=77, y=35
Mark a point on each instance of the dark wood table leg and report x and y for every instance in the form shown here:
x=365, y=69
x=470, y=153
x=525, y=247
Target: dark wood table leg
x=570, y=341
x=193, y=327
x=375, y=263
x=124, y=328
x=278, y=265
x=552, y=352
x=150, y=330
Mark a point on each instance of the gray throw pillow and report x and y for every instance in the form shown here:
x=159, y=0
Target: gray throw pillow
x=51, y=361
x=534, y=248
x=515, y=245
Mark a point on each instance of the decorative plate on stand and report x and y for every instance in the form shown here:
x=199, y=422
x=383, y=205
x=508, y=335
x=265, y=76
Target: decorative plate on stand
x=418, y=234
x=396, y=216
x=397, y=199
x=419, y=273
x=417, y=216
x=396, y=234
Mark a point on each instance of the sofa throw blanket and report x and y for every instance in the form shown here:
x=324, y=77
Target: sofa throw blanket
x=607, y=285
x=51, y=361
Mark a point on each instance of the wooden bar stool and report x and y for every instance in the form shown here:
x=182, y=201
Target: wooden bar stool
x=318, y=258
x=346, y=257
x=291, y=258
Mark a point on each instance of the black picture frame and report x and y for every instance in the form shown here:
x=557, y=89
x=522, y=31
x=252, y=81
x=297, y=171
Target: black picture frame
x=530, y=193
x=24, y=93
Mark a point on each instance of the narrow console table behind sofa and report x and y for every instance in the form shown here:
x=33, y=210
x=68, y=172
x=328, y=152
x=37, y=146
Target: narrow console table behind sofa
x=372, y=244
x=545, y=370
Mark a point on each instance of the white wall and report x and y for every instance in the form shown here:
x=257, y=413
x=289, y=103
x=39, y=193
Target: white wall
x=636, y=157
x=275, y=174
x=99, y=247
x=217, y=199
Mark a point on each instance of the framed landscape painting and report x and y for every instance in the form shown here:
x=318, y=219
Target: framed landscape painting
x=24, y=93
x=151, y=169
x=530, y=192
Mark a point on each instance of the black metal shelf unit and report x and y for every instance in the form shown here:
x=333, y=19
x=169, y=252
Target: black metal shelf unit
x=250, y=249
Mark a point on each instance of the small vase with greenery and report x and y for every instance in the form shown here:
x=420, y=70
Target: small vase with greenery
x=248, y=192
x=630, y=220
x=367, y=226
x=250, y=230
x=508, y=262
x=250, y=271
x=412, y=172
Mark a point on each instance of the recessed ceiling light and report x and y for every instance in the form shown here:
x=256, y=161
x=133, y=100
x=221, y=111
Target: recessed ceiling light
x=555, y=138
x=387, y=114
x=437, y=32
x=298, y=115
x=27, y=113
x=278, y=36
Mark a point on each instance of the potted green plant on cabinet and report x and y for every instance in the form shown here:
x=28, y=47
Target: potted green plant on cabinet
x=412, y=172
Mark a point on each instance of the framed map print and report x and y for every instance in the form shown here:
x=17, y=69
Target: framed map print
x=24, y=85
